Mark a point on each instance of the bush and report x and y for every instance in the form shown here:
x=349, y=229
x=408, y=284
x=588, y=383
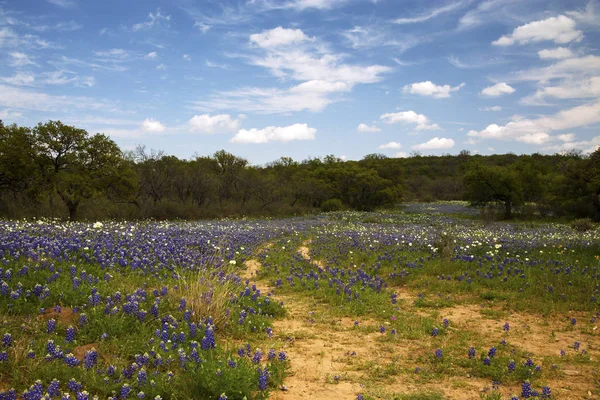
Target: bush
x=332, y=205
x=582, y=224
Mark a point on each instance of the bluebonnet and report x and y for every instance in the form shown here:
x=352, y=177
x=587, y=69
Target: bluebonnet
x=546, y=393
x=71, y=361
x=263, y=376
x=51, y=326
x=70, y=334
x=7, y=340
x=257, y=356
x=438, y=353
x=90, y=359
x=526, y=391
x=472, y=352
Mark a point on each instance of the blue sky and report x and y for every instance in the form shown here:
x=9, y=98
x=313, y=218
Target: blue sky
x=306, y=78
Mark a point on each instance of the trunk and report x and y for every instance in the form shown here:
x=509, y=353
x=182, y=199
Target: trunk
x=73, y=211
x=507, y=209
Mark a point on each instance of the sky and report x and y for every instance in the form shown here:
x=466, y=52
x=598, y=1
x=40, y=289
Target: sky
x=264, y=79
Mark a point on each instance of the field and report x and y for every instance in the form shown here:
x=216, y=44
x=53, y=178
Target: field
x=421, y=304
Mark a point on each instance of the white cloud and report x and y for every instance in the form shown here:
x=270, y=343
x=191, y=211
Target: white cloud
x=583, y=115
x=275, y=134
x=298, y=5
x=567, y=89
x=429, y=88
x=559, y=29
x=588, y=16
x=428, y=127
x=161, y=67
x=367, y=128
x=266, y=100
x=19, y=79
x=277, y=37
x=492, y=108
x=587, y=146
x=390, y=145
x=558, y=53
x=202, y=27
x=410, y=117
x=430, y=14
x=435, y=144
x=63, y=3
x=152, y=55
x=152, y=125
x=401, y=154
x=571, y=68
x=186, y=57
x=21, y=59
x=498, y=90
x=536, y=131
x=154, y=19
x=320, y=86
x=206, y=123
x=404, y=117
x=13, y=97
x=8, y=114
x=322, y=76
x=567, y=137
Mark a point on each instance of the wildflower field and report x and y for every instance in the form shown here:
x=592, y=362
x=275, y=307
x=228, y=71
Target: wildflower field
x=421, y=304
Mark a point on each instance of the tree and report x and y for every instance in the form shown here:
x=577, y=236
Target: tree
x=78, y=167
x=18, y=169
x=486, y=184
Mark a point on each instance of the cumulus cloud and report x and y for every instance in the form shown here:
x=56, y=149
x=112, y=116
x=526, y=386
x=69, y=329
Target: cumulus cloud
x=587, y=146
x=275, y=134
x=277, y=37
x=567, y=137
x=390, y=145
x=559, y=29
x=290, y=54
x=401, y=154
x=405, y=117
x=152, y=125
x=567, y=89
x=429, y=88
x=558, y=53
x=367, y=128
x=536, y=131
x=435, y=144
x=206, y=123
x=410, y=117
x=498, y=90
x=152, y=55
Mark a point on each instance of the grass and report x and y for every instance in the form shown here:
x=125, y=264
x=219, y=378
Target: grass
x=399, y=275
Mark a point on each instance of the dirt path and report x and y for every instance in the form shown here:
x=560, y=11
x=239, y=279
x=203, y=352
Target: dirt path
x=332, y=359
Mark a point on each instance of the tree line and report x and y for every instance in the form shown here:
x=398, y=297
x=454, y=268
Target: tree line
x=56, y=170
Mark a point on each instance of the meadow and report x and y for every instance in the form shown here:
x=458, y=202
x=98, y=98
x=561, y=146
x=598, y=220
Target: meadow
x=425, y=303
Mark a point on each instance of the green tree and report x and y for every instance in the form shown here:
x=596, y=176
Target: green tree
x=78, y=167
x=18, y=170
x=493, y=184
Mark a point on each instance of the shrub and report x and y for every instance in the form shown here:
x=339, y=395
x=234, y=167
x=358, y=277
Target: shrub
x=332, y=205
x=582, y=224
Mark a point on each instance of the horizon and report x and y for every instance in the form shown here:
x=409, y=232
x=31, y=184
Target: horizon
x=304, y=79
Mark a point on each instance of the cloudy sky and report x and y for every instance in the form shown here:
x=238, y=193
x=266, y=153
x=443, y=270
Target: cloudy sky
x=307, y=78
